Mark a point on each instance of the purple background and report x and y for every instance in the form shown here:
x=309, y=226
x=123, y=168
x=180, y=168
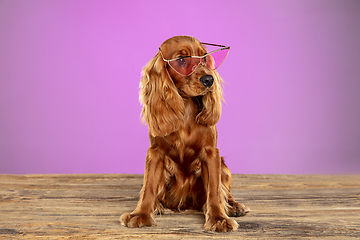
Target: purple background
x=70, y=71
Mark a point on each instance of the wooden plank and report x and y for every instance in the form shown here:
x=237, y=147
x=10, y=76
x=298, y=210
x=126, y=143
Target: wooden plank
x=89, y=207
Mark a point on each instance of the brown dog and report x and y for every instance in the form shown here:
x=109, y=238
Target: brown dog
x=181, y=97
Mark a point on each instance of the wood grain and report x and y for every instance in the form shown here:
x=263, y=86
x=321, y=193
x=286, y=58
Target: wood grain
x=89, y=207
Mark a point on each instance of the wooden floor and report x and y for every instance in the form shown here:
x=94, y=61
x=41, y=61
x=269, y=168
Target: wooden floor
x=89, y=207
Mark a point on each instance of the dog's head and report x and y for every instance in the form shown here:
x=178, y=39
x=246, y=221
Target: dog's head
x=194, y=80
x=166, y=81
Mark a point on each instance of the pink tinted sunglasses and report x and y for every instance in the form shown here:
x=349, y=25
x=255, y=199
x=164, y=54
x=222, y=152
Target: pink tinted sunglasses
x=186, y=65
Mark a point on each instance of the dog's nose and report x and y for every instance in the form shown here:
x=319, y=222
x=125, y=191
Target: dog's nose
x=207, y=80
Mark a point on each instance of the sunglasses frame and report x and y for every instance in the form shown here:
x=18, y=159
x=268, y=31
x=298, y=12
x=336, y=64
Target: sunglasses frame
x=222, y=47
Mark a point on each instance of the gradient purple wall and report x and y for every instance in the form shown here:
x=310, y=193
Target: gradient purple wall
x=70, y=70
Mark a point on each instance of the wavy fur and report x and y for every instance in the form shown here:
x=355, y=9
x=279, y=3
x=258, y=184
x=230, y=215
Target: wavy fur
x=183, y=168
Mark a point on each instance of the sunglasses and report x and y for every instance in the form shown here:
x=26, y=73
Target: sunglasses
x=186, y=65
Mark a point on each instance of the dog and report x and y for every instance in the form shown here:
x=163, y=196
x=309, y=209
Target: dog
x=181, y=96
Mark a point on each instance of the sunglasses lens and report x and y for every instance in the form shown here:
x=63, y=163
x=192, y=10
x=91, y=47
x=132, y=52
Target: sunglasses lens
x=185, y=66
x=215, y=59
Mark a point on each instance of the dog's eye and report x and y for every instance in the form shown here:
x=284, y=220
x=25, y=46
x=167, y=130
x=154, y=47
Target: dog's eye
x=181, y=62
x=206, y=57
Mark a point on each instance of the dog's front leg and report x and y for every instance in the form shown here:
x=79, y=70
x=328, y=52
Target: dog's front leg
x=153, y=178
x=215, y=212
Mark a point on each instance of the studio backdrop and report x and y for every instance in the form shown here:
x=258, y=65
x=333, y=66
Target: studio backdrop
x=70, y=72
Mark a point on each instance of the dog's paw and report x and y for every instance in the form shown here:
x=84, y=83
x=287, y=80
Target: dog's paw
x=136, y=220
x=238, y=210
x=220, y=224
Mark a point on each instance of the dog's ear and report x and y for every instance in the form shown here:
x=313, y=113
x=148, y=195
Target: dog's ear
x=211, y=103
x=162, y=106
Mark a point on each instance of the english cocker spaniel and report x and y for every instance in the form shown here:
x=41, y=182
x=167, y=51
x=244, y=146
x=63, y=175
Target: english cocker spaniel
x=181, y=103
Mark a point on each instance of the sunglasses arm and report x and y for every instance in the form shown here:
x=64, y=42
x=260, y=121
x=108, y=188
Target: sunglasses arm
x=163, y=56
x=215, y=45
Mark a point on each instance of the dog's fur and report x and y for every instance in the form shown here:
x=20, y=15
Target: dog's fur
x=183, y=168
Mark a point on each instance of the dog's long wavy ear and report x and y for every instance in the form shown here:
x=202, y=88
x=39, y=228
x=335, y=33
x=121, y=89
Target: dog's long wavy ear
x=211, y=103
x=162, y=106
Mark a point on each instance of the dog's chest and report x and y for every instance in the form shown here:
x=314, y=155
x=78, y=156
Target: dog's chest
x=186, y=145
x=189, y=141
